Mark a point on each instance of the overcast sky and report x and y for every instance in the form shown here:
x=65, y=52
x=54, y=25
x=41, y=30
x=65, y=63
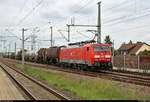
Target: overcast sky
x=123, y=20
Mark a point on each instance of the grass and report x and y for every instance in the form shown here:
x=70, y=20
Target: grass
x=146, y=71
x=121, y=68
x=89, y=90
x=19, y=66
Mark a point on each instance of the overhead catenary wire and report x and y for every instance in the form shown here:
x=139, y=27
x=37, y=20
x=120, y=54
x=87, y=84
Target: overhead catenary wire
x=21, y=10
x=133, y=16
x=118, y=5
x=121, y=20
x=83, y=34
x=124, y=4
x=130, y=29
x=24, y=17
x=83, y=6
x=77, y=11
x=62, y=35
x=80, y=9
x=13, y=34
x=126, y=18
x=29, y=13
x=89, y=2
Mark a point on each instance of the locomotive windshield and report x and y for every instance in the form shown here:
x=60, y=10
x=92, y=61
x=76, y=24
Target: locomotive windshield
x=101, y=48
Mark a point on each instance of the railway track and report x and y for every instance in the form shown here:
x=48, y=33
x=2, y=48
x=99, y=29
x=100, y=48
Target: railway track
x=138, y=79
x=34, y=89
x=129, y=78
x=131, y=75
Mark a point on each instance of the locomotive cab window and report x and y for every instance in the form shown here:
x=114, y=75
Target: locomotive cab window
x=101, y=48
x=87, y=48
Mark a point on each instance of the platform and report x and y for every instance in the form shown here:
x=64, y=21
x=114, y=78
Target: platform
x=8, y=91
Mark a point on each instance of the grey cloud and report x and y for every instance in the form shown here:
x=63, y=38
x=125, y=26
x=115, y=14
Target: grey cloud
x=52, y=15
x=62, y=10
x=3, y=1
x=80, y=10
x=51, y=1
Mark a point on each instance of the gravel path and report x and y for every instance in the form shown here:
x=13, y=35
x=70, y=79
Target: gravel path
x=8, y=91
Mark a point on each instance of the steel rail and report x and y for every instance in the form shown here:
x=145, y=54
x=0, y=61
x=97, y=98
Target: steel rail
x=128, y=75
x=19, y=84
x=104, y=75
x=54, y=92
x=123, y=78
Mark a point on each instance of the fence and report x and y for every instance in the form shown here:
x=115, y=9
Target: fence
x=134, y=62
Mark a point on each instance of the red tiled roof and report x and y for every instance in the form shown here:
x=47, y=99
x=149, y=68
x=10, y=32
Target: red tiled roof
x=136, y=48
x=132, y=47
x=126, y=46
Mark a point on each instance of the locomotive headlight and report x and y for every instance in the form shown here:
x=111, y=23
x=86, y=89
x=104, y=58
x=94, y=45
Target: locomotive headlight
x=96, y=59
x=96, y=56
x=108, y=59
x=107, y=56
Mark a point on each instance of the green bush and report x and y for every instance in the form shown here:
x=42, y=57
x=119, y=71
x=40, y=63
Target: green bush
x=133, y=54
x=144, y=53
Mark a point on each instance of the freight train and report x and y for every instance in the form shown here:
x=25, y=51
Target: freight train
x=81, y=55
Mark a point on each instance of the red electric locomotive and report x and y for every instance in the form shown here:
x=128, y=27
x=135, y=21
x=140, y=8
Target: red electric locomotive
x=94, y=55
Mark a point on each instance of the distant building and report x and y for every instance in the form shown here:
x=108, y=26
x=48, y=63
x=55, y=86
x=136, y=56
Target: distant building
x=135, y=48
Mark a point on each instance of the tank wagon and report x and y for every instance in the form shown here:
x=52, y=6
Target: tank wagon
x=6, y=55
x=30, y=56
x=44, y=55
x=41, y=55
x=19, y=54
x=13, y=55
x=52, y=55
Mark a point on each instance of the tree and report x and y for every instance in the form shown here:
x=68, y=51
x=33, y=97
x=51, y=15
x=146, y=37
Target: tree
x=132, y=54
x=115, y=51
x=144, y=53
x=108, y=40
x=130, y=42
x=124, y=43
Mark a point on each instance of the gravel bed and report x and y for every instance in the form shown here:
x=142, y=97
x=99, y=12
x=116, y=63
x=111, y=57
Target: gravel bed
x=39, y=92
x=139, y=89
